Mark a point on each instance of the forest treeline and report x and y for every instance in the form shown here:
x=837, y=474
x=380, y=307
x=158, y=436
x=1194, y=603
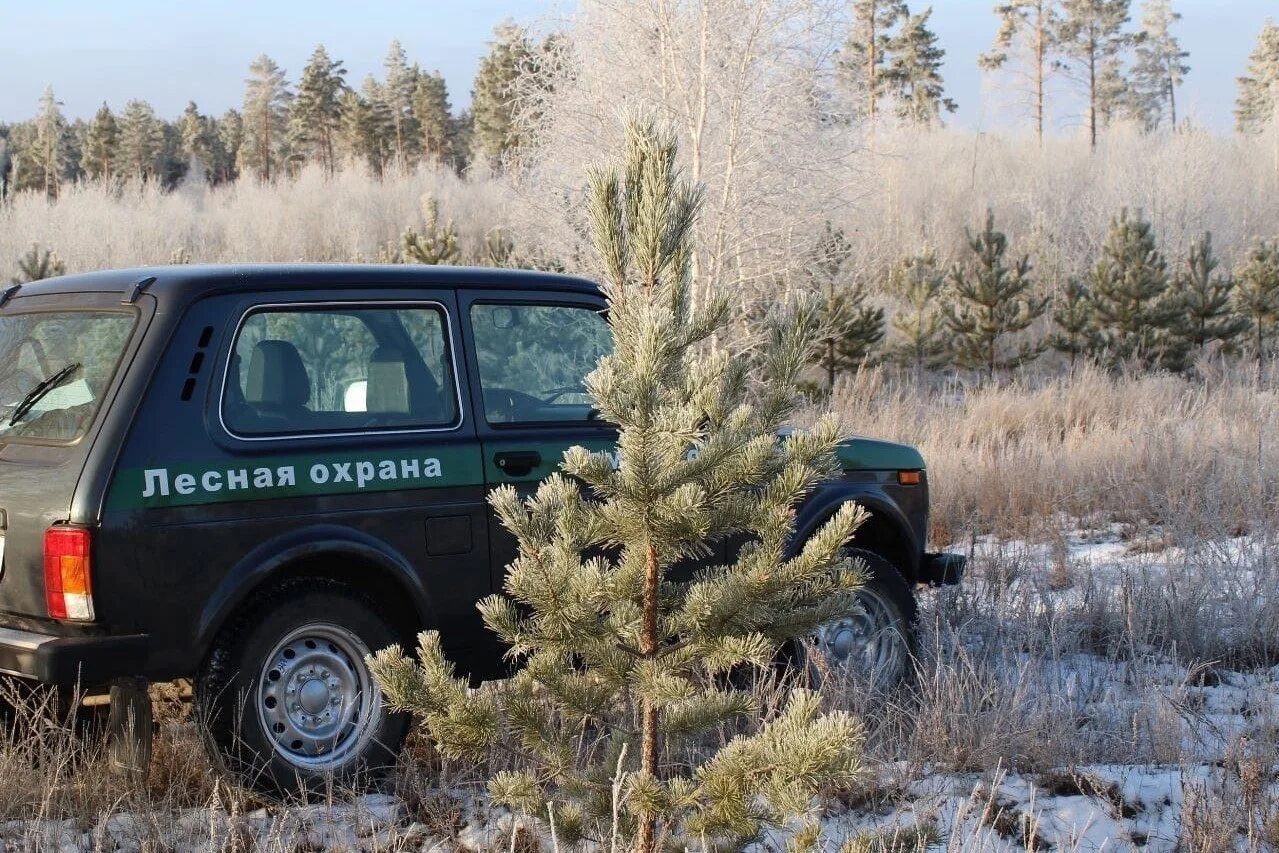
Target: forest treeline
x=820, y=140
x=890, y=61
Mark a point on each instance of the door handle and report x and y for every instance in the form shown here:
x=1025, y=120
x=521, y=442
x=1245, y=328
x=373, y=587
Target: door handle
x=517, y=463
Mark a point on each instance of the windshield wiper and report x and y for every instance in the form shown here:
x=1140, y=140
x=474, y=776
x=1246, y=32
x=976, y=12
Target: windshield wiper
x=38, y=393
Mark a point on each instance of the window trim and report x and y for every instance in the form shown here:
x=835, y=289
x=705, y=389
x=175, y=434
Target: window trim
x=373, y=304
x=537, y=302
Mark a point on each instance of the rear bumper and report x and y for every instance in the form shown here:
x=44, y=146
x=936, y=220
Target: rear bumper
x=942, y=569
x=68, y=661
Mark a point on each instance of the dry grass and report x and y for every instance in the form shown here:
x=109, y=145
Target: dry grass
x=1042, y=663
x=1195, y=457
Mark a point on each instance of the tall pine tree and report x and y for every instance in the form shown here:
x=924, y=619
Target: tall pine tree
x=315, y=120
x=623, y=660
x=866, y=51
x=434, y=118
x=50, y=151
x=1259, y=87
x=398, y=87
x=495, y=98
x=913, y=73
x=102, y=145
x=1091, y=37
x=1027, y=42
x=992, y=305
x=141, y=141
x=1159, y=67
x=1130, y=292
x=266, y=117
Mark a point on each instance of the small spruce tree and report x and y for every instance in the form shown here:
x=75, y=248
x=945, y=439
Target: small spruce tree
x=920, y=327
x=1204, y=307
x=1075, y=332
x=622, y=660
x=851, y=328
x=38, y=263
x=992, y=305
x=1257, y=297
x=1129, y=287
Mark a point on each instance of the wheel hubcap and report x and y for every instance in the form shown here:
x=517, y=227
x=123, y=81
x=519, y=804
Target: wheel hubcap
x=317, y=701
x=868, y=642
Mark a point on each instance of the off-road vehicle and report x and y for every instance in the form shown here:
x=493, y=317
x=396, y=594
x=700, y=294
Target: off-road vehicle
x=253, y=476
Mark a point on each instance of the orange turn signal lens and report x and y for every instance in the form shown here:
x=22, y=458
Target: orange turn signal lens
x=910, y=478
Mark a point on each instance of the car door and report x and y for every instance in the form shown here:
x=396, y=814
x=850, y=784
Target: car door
x=337, y=419
x=528, y=356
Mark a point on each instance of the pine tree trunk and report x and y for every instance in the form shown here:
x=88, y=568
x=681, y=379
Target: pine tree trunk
x=1172, y=102
x=1092, y=97
x=872, y=59
x=1041, y=50
x=645, y=841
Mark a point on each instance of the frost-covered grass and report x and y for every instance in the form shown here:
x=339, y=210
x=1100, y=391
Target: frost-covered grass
x=1086, y=708
x=1107, y=677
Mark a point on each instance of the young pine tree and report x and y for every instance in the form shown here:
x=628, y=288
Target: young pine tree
x=1259, y=87
x=851, y=328
x=1257, y=297
x=1074, y=332
x=435, y=243
x=1205, y=308
x=1130, y=292
x=591, y=606
x=38, y=263
x=920, y=327
x=992, y=305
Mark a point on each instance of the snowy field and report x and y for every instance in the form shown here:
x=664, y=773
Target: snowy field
x=1057, y=707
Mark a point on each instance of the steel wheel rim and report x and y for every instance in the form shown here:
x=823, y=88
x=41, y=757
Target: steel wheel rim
x=317, y=701
x=869, y=642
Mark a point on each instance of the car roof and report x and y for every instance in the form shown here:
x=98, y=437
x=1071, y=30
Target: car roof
x=189, y=281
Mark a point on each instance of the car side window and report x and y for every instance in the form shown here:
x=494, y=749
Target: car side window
x=298, y=370
x=534, y=359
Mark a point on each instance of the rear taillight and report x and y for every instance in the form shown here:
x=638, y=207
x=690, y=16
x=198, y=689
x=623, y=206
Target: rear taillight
x=67, y=588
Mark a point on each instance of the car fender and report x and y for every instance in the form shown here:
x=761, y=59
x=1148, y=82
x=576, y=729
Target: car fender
x=884, y=511
x=276, y=557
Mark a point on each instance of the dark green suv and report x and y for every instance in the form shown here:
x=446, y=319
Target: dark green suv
x=254, y=476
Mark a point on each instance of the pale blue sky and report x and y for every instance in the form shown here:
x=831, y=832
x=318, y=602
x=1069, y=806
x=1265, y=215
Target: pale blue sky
x=170, y=52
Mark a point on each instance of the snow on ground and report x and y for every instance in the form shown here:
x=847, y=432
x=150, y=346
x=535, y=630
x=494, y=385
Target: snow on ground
x=1214, y=714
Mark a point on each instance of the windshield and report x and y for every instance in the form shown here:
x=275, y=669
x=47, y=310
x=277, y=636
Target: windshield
x=54, y=368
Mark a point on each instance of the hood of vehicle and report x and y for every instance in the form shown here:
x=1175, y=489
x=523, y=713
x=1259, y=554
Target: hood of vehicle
x=872, y=454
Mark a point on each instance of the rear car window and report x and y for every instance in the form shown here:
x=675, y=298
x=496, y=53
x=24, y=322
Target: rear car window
x=298, y=370
x=534, y=360
x=54, y=368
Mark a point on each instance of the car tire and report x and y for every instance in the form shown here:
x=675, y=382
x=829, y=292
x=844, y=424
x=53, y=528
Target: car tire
x=286, y=701
x=875, y=646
